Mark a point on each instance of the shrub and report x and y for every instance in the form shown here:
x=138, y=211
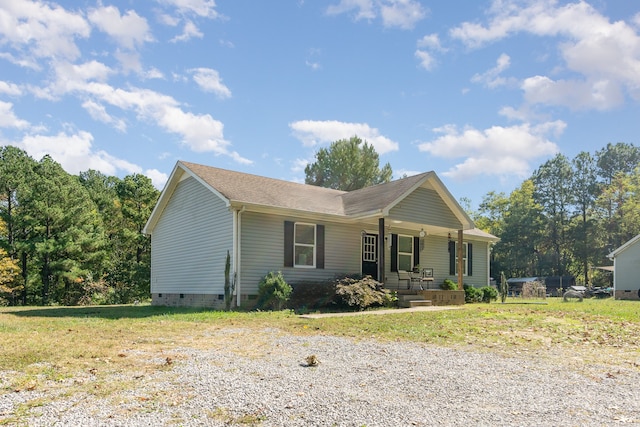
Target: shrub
x=489, y=293
x=273, y=291
x=535, y=289
x=362, y=292
x=449, y=285
x=472, y=294
x=313, y=295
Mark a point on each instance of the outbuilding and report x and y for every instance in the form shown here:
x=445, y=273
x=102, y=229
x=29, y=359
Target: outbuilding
x=626, y=270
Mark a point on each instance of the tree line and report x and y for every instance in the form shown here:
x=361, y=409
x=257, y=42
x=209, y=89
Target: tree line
x=567, y=216
x=67, y=239
x=71, y=239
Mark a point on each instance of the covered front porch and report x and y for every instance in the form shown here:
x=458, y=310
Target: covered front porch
x=411, y=256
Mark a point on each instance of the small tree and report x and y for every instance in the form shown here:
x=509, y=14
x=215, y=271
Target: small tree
x=273, y=291
x=229, y=285
x=504, y=287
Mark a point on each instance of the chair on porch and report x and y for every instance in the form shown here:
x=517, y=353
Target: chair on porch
x=404, y=276
x=422, y=278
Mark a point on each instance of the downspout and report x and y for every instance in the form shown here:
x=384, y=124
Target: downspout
x=237, y=233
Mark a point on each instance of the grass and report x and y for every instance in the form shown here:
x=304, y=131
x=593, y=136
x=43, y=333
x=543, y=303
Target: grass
x=86, y=346
x=57, y=341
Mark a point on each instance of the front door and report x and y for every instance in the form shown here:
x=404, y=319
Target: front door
x=370, y=255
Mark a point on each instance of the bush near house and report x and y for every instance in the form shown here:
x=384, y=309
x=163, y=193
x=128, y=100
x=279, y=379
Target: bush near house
x=313, y=295
x=449, y=285
x=484, y=294
x=362, y=292
x=489, y=294
x=345, y=291
x=273, y=291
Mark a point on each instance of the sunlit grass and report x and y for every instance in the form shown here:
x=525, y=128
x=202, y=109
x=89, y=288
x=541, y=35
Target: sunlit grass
x=58, y=342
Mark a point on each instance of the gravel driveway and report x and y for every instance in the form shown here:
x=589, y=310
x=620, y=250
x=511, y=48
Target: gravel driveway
x=262, y=378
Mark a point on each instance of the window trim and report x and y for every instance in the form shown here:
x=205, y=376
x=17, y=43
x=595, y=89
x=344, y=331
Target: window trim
x=314, y=245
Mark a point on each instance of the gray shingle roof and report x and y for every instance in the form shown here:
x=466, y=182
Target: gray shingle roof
x=258, y=190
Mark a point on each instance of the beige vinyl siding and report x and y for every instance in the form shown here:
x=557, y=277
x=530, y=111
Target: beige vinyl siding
x=424, y=206
x=190, y=242
x=627, y=269
x=263, y=250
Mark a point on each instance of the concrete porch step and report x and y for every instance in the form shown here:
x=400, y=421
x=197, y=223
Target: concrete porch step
x=420, y=303
x=408, y=299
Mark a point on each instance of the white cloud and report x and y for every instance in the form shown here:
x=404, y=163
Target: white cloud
x=201, y=8
x=313, y=65
x=189, y=31
x=430, y=41
x=11, y=89
x=573, y=94
x=152, y=73
x=74, y=152
x=364, y=8
x=130, y=30
x=41, y=30
x=427, y=60
x=312, y=132
x=99, y=112
x=199, y=132
x=298, y=165
x=402, y=14
x=426, y=45
x=8, y=119
x=497, y=151
x=606, y=55
x=159, y=179
x=491, y=78
x=209, y=80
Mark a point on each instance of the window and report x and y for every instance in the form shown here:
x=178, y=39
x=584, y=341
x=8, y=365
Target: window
x=464, y=259
x=467, y=258
x=405, y=253
x=304, y=245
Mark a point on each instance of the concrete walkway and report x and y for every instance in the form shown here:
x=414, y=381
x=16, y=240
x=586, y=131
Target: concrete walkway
x=389, y=311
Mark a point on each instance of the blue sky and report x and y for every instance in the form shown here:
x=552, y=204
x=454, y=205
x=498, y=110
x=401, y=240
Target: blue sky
x=481, y=92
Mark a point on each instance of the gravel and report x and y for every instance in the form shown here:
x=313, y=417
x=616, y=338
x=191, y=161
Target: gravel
x=264, y=379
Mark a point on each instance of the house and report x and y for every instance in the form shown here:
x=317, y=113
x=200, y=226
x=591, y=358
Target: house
x=626, y=270
x=306, y=232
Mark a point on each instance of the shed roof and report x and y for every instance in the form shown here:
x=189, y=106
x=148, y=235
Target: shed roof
x=624, y=247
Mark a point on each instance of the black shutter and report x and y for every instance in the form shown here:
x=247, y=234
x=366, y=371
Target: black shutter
x=394, y=252
x=452, y=257
x=288, y=244
x=320, y=246
x=416, y=251
x=469, y=259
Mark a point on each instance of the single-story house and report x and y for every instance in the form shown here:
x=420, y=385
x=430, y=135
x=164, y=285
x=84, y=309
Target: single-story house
x=306, y=232
x=626, y=270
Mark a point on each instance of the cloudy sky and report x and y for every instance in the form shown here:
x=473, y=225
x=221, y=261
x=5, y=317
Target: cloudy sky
x=482, y=92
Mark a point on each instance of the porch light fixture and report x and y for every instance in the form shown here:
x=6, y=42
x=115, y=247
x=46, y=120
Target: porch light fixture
x=363, y=233
x=422, y=233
